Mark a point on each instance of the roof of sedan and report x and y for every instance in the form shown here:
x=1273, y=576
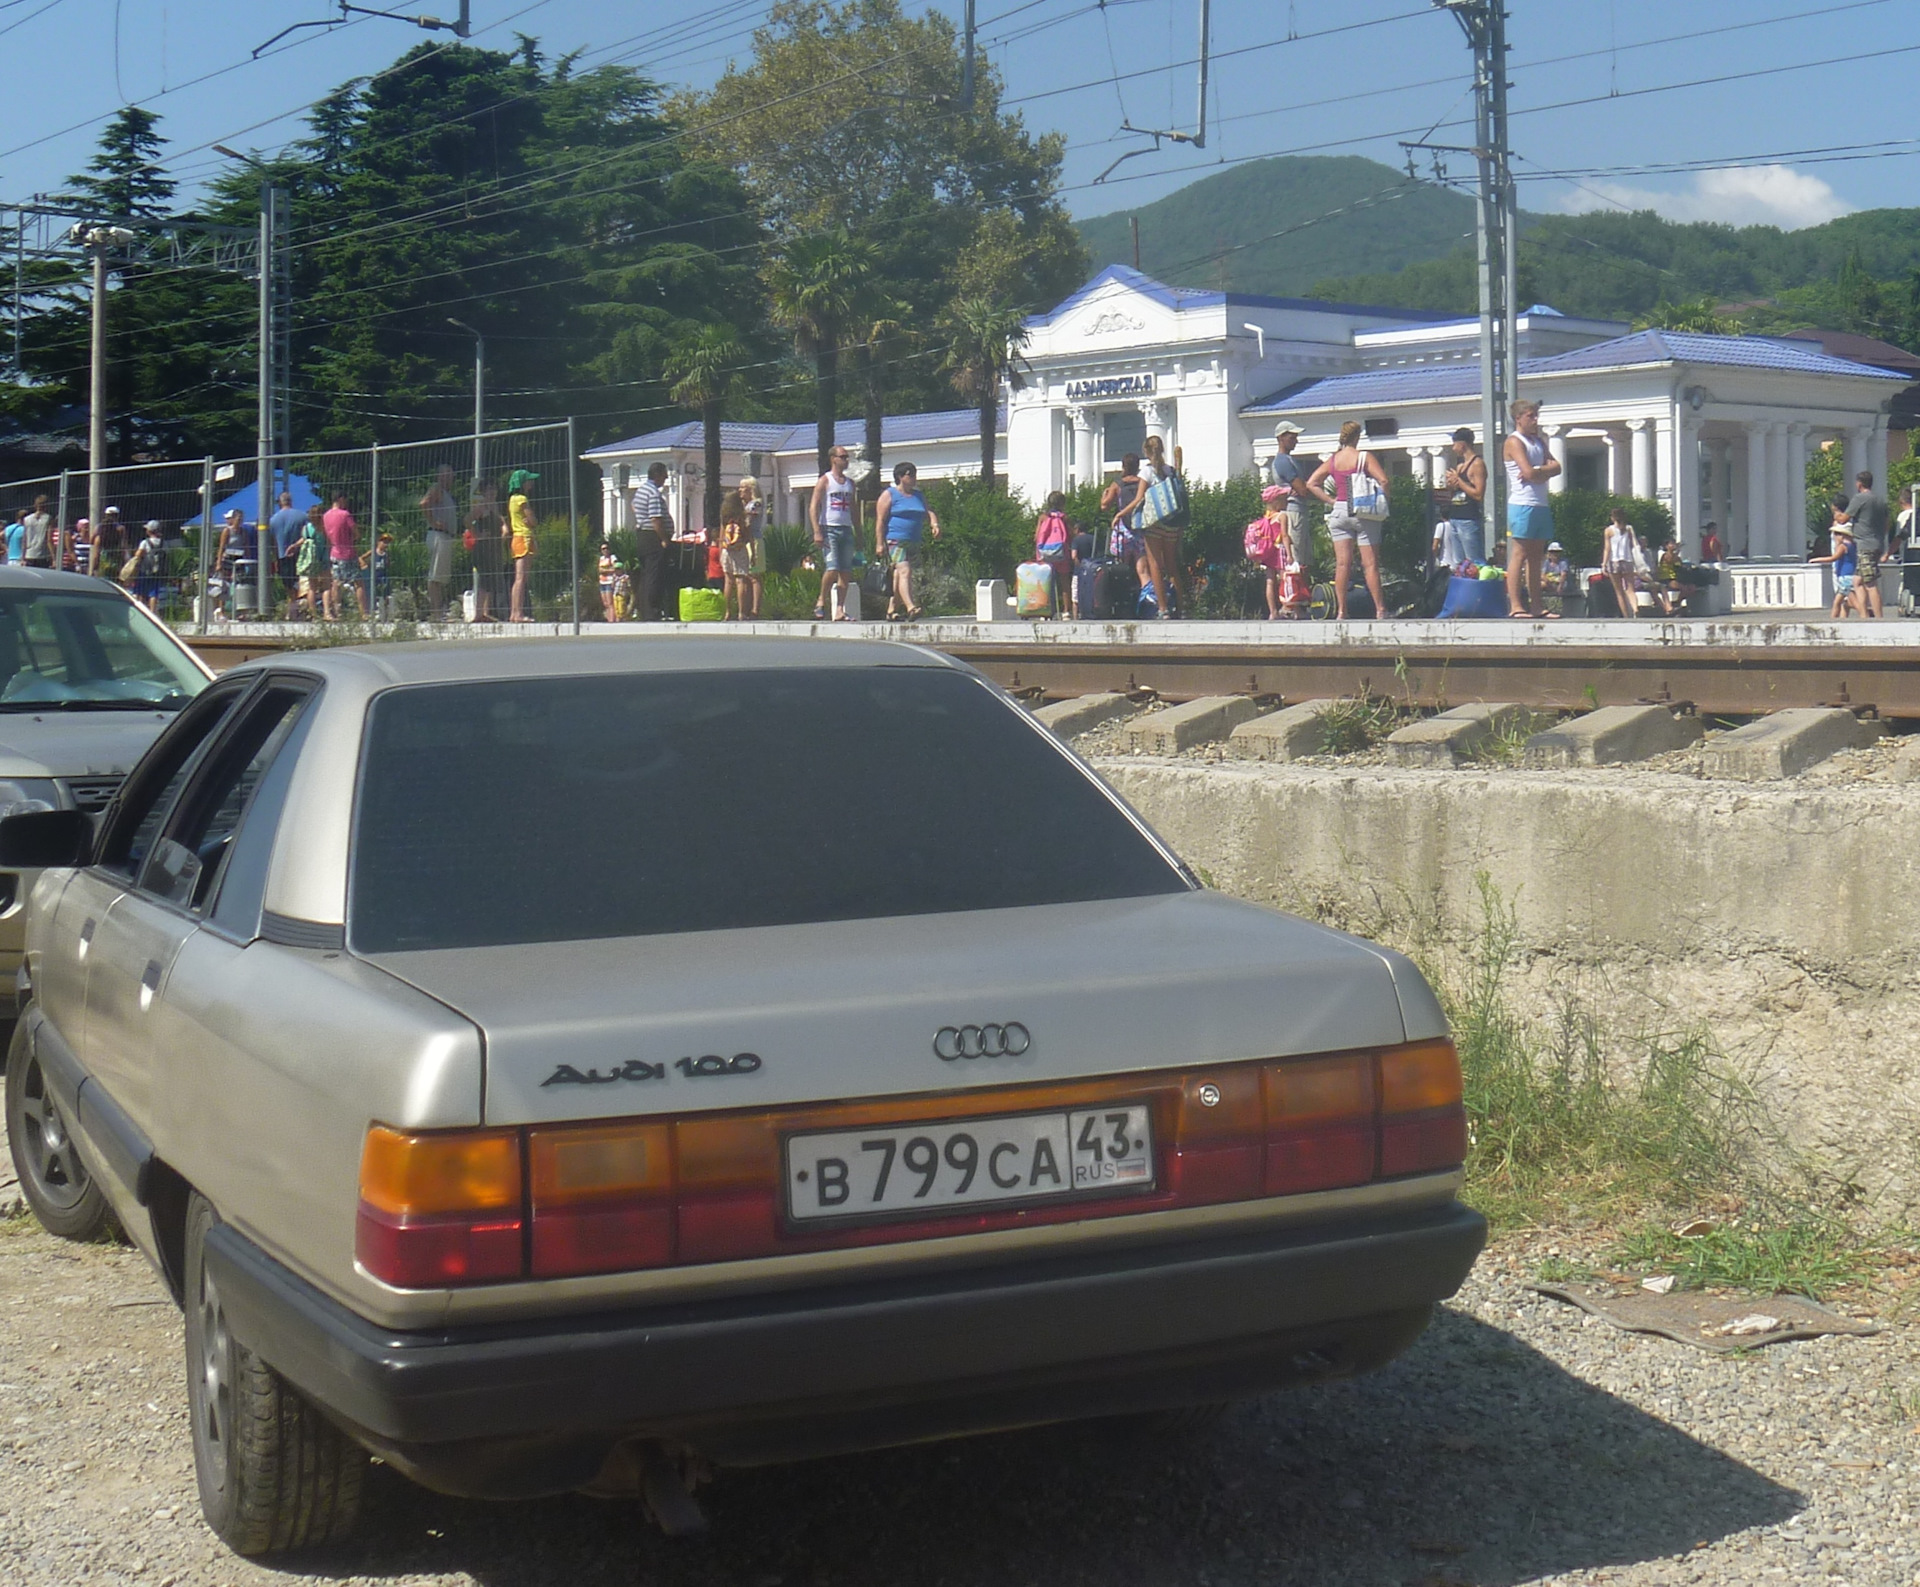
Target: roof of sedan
x=484, y=660
x=15, y=576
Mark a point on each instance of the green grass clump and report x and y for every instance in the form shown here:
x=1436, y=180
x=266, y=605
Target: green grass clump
x=1805, y=1255
x=1350, y=725
x=1554, y=1127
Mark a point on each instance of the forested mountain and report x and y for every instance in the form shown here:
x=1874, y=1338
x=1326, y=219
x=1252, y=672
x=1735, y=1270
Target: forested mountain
x=1278, y=226
x=1411, y=246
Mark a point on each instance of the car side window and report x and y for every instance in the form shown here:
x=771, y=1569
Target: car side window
x=192, y=854
x=242, y=890
x=138, y=813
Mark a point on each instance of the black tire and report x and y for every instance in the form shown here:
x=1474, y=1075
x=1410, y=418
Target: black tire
x=274, y=1473
x=56, y=1183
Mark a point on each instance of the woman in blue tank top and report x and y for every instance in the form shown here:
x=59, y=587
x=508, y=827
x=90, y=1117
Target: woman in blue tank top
x=902, y=520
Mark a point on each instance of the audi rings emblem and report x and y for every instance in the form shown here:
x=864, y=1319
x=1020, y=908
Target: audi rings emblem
x=980, y=1041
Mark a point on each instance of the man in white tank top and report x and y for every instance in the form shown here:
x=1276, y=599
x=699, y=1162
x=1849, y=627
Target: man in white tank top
x=831, y=512
x=1529, y=518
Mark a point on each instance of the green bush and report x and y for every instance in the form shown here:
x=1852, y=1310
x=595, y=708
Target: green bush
x=1580, y=520
x=984, y=534
x=787, y=546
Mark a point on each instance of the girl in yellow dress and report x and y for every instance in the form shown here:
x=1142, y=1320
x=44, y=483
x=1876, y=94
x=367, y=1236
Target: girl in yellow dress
x=520, y=526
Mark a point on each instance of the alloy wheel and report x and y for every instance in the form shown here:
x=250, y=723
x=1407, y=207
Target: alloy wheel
x=50, y=1154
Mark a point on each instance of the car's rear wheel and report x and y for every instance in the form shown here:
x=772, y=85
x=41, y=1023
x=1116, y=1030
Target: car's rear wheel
x=274, y=1473
x=54, y=1180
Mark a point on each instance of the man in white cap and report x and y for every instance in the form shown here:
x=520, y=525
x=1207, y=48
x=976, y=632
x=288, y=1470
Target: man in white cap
x=1554, y=573
x=1288, y=474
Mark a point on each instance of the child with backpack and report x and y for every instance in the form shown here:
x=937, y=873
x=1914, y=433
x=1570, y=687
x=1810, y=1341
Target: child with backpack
x=1270, y=547
x=1053, y=545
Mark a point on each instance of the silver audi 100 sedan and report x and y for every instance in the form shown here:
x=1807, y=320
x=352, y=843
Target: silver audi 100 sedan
x=562, y=1065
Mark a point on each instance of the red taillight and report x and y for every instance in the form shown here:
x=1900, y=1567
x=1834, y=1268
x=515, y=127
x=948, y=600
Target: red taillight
x=1423, y=1124
x=1320, y=1123
x=602, y=1198
x=440, y=1208
x=453, y=1207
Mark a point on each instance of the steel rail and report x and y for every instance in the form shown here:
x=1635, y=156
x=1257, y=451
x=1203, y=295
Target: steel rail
x=1721, y=680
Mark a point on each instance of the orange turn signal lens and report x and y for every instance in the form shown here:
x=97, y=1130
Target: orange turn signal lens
x=443, y=1171
x=1419, y=1076
x=583, y=1164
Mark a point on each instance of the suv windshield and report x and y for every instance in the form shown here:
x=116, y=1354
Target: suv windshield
x=558, y=809
x=69, y=650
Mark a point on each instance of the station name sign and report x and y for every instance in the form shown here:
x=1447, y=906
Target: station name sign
x=1140, y=385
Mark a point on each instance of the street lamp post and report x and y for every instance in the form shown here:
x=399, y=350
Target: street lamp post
x=479, y=390
x=98, y=240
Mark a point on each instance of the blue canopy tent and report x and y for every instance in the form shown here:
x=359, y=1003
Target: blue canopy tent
x=247, y=499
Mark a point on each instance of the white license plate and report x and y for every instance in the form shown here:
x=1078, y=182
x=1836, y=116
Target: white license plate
x=895, y=1168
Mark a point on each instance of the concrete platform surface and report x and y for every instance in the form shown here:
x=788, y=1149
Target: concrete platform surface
x=1786, y=744
x=1789, y=630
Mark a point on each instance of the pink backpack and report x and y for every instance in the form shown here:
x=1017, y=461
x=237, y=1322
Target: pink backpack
x=1051, y=536
x=1259, y=539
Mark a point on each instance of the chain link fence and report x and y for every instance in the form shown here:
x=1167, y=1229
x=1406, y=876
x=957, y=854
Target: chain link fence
x=426, y=534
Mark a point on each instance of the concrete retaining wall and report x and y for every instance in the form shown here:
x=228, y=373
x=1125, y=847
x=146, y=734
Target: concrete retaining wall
x=1785, y=920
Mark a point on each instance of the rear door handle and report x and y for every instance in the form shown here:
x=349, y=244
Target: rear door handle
x=149, y=984
x=86, y=938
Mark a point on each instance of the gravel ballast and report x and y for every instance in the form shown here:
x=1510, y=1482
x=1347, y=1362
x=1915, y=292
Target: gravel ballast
x=1520, y=1441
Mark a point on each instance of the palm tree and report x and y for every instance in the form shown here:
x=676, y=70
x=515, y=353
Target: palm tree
x=984, y=338
x=703, y=367
x=880, y=333
x=817, y=282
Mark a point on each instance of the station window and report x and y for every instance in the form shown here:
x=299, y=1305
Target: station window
x=1126, y=431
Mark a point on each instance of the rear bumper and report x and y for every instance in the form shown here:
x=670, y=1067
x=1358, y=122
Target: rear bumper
x=536, y=1407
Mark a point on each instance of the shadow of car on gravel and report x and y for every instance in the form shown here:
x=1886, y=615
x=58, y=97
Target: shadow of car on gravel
x=1473, y=1459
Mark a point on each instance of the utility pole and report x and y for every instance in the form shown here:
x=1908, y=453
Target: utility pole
x=274, y=397
x=966, y=62
x=479, y=392
x=1496, y=226
x=98, y=241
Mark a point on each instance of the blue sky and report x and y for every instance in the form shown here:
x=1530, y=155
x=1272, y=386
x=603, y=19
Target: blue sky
x=1592, y=93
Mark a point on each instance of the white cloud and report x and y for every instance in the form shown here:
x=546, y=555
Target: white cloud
x=1749, y=195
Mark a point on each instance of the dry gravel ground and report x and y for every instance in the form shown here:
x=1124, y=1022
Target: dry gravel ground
x=1519, y=1442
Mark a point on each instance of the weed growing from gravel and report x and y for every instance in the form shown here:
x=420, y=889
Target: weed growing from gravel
x=1555, y=1127
x=1350, y=725
x=1806, y=1255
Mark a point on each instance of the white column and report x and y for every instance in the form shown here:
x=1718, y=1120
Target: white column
x=1759, y=488
x=1877, y=455
x=1719, y=484
x=1619, y=463
x=1734, y=529
x=1557, y=448
x=1663, y=460
x=1420, y=460
x=1854, y=455
x=1642, y=456
x=1796, y=502
x=1779, y=519
x=1086, y=467
x=1686, y=485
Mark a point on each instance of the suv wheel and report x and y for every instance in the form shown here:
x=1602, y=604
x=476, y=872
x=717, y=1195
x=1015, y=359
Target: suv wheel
x=55, y=1182
x=274, y=1473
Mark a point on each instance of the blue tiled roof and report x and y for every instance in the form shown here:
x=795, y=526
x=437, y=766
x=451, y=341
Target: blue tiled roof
x=1179, y=298
x=899, y=429
x=1685, y=347
x=1375, y=388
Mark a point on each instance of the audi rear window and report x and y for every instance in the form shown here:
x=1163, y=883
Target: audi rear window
x=562, y=809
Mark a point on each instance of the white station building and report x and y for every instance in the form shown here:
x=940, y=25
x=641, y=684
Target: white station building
x=1718, y=427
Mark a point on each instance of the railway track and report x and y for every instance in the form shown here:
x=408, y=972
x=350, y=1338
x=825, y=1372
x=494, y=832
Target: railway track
x=1721, y=669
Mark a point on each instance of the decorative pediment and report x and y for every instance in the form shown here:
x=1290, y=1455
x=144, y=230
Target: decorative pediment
x=1112, y=322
